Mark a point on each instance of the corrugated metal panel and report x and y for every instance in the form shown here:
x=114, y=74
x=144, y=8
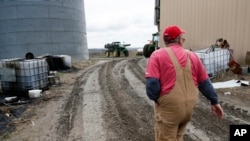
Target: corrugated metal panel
x=157, y=12
x=207, y=20
x=43, y=27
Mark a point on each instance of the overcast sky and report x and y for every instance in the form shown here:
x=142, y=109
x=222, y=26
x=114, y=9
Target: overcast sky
x=129, y=21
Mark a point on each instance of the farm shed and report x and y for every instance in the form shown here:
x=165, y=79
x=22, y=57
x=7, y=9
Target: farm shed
x=207, y=20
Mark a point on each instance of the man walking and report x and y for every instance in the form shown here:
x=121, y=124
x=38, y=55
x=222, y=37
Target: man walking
x=174, y=77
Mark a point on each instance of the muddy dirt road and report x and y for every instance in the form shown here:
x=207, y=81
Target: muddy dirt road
x=105, y=100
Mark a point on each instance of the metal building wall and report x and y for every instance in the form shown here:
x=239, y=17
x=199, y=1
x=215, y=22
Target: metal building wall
x=53, y=27
x=207, y=20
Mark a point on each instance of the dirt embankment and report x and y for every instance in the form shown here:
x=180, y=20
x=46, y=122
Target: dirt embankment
x=106, y=101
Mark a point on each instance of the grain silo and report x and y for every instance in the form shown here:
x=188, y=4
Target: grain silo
x=55, y=27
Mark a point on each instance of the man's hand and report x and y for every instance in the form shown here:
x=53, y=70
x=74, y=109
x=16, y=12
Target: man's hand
x=217, y=110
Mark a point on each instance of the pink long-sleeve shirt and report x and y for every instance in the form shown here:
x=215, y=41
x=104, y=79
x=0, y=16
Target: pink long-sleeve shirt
x=161, y=67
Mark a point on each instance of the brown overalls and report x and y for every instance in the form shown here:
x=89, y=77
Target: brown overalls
x=174, y=110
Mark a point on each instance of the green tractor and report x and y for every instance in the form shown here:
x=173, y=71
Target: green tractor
x=115, y=49
x=148, y=49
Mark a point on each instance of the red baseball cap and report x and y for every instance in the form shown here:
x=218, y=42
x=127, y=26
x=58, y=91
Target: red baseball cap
x=173, y=31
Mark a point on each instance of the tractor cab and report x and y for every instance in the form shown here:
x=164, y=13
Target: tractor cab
x=148, y=49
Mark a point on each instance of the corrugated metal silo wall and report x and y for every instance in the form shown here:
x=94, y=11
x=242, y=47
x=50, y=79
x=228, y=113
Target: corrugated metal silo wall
x=43, y=27
x=207, y=20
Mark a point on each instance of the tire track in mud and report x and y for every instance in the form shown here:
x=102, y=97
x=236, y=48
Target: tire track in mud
x=215, y=129
x=70, y=112
x=112, y=110
x=70, y=124
x=138, y=84
x=128, y=116
x=136, y=69
x=109, y=103
x=92, y=113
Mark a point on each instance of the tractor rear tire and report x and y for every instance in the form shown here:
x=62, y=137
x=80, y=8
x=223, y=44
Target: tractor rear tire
x=146, y=51
x=115, y=53
x=125, y=52
x=107, y=54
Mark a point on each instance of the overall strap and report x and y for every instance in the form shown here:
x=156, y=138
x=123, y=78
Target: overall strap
x=175, y=60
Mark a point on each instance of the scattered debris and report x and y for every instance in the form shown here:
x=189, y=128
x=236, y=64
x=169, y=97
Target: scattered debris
x=35, y=93
x=139, y=51
x=19, y=102
x=7, y=114
x=227, y=93
x=244, y=83
x=230, y=84
x=247, y=61
x=33, y=123
x=10, y=99
x=233, y=65
x=57, y=62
